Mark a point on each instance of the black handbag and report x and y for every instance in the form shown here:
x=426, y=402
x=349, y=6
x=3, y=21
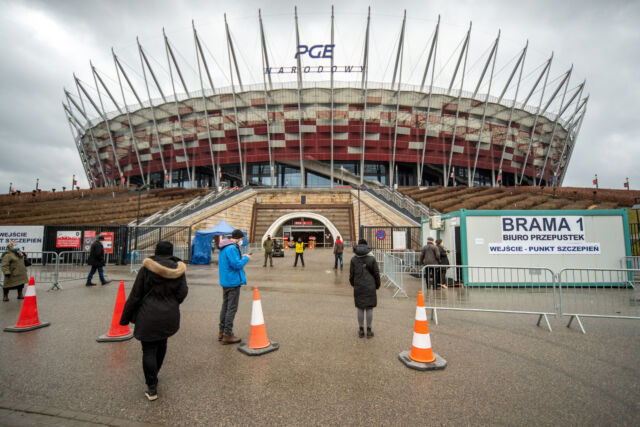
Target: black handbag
x=27, y=262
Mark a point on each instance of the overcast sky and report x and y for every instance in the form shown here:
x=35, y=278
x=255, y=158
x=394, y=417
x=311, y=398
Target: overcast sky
x=45, y=42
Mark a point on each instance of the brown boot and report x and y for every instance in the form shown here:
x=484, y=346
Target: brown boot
x=230, y=339
x=220, y=334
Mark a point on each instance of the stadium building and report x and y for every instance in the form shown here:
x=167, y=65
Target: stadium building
x=319, y=123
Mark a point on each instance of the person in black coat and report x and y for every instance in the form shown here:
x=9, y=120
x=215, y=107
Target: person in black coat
x=364, y=276
x=154, y=306
x=96, y=261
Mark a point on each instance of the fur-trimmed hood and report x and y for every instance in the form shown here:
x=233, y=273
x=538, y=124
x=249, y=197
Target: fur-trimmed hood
x=163, y=270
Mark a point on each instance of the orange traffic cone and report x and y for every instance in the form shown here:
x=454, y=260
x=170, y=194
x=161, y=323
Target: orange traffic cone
x=421, y=356
x=28, y=319
x=258, y=341
x=117, y=331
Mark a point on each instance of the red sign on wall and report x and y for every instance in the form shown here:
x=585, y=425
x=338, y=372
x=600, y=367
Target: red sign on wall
x=68, y=239
x=302, y=222
x=108, y=242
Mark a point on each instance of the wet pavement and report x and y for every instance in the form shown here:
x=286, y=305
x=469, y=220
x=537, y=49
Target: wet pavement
x=502, y=369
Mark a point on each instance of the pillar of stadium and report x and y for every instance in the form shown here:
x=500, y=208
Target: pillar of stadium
x=399, y=60
x=126, y=108
x=563, y=108
x=575, y=137
x=143, y=60
x=519, y=63
x=170, y=57
x=299, y=74
x=569, y=130
x=540, y=112
x=200, y=55
x=494, y=55
x=363, y=86
x=545, y=71
x=232, y=53
x=265, y=66
x=78, y=141
x=75, y=124
x=100, y=112
x=432, y=54
x=567, y=79
x=571, y=124
x=103, y=113
x=75, y=136
x=464, y=51
x=93, y=140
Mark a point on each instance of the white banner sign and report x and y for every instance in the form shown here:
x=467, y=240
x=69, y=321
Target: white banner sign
x=28, y=237
x=543, y=235
x=399, y=240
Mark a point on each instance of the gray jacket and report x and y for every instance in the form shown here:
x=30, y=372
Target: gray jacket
x=430, y=255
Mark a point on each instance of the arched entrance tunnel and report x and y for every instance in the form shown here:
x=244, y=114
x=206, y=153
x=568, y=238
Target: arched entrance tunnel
x=308, y=226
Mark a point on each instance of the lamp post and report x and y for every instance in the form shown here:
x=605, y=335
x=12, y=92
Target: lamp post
x=359, y=224
x=139, y=190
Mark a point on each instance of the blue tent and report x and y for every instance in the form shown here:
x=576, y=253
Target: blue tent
x=201, y=253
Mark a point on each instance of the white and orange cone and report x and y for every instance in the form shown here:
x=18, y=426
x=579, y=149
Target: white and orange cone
x=117, y=332
x=421, y=356
x=28, y=319
x=258, y=341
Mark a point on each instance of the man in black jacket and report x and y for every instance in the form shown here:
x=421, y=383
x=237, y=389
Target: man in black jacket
x=96, y=261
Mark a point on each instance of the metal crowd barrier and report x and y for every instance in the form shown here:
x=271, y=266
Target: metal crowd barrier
x=597, y=292
x=517, y=290
x=136, y=257
x=43, y=267
x=392, y=272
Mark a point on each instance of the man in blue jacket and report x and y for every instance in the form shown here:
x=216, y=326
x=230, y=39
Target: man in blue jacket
x=231, y=273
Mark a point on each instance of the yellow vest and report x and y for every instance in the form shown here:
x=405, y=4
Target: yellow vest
x=299, y=247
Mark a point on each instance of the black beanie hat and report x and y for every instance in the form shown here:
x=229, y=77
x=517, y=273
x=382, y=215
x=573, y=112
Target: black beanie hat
x=164, y=248
x=362, y=242
x=237, y=234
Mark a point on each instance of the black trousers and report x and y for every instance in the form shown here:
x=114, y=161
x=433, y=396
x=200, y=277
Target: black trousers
x=230, y=297
x=301, y=255
x=152, y=357
x=5, y=291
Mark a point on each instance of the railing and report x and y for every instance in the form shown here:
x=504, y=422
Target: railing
x=186, y=210
x=518, y=290
x=415, y=208
x=43, y=267
x=598, y=292
x=137, y=257
x=392, y=273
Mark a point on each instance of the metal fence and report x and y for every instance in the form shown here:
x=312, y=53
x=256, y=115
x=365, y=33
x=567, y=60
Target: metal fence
x=495, y=289
x=122, y=240
x=137, y=257
x=392, y=273
x=43, y=267
x=382, y=237
x=597, y=292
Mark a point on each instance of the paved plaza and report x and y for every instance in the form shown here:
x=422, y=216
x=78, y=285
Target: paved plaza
x=502, y=369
